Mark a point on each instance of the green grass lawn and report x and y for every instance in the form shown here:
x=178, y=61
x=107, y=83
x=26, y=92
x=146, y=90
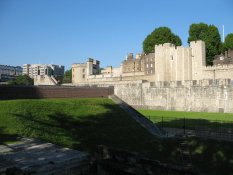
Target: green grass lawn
x=175, y=119
x=76, y=123
x=85, y=123
x=189, y=115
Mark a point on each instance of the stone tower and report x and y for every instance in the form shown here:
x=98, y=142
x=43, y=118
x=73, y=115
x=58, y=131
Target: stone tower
x=198, y=59
x=172, y=63
x=93, y=67
x=89, y=66
x=79, y=72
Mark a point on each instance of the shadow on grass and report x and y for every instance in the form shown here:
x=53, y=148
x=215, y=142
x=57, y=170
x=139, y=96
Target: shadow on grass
x=117, y=129
x=210, y=156
x=114, y=128
x=168, y=122
x=6, y=137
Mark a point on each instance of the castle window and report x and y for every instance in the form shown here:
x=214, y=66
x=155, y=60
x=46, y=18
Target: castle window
x=171, y=57
x=83, y=75
x=83, y=70
x=147, y=65
x=151, y=65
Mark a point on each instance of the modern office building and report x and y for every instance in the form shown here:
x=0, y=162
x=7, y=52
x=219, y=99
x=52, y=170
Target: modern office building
x=9, y=72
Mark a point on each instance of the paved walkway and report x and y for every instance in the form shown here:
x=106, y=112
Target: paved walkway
x=37, y=157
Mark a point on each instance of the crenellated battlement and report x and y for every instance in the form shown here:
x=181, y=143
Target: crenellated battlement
x=215, y=67
x=160, y=47
x=191, y=83
x=170, y=45
x=78, y=64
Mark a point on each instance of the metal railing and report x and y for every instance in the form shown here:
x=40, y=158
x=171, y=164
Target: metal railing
x=215, y=129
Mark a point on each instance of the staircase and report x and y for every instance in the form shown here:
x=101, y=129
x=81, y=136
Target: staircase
x=185, y=154
x=142, y=120
x=53, y=80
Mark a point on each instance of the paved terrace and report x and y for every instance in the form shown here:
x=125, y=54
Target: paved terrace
x=36, y=157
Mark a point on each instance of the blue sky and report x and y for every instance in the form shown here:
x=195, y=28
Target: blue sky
x=70, y=31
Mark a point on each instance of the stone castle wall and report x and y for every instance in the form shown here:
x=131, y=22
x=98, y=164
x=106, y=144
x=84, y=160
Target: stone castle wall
x=197, y=95
x=218, y=72
x=202, y=96
x=177, y=78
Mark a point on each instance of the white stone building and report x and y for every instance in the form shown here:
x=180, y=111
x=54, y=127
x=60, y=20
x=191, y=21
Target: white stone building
x=44, y=74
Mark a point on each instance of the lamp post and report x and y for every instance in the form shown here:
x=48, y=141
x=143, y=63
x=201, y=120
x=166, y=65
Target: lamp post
x=134, y=70
x=214, y=76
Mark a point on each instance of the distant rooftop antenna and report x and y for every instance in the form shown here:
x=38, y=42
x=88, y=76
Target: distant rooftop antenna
x=223, y=35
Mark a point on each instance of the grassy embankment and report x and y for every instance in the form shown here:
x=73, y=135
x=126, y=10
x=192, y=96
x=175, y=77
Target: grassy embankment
x=192, y=119
x=189, y=115
x=85, y=123
x=76, y=123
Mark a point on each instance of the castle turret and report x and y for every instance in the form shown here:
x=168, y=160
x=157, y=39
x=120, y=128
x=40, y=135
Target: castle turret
x=129, y=56
x=172, y=63
x=138, y=56
x=198, y=59
x=79, y=73
x=89, y=66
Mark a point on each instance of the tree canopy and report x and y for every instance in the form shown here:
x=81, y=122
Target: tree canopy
x=228, y=43
x=22, y=80
x=160, y=35
x=210, y=35
x=67, y=76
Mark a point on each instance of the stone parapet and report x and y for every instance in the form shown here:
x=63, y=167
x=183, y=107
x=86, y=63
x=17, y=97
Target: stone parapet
x=215, y=67
x=190, y=83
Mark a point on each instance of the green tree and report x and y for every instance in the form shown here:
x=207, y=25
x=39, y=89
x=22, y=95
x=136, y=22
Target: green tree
x=24, y=80
x=160, y=35
x=67, y=76
x=210, y=35
x=228, y=43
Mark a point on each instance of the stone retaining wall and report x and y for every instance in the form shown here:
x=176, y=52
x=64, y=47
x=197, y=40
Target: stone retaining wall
x=200, y=98
x=211, y=95
x=116, y=161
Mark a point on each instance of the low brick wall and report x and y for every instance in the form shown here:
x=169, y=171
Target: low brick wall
x=33, y=92
x=116, y=161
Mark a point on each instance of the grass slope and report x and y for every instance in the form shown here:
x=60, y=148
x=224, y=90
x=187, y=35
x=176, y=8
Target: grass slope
x=85, y=123
x=77, y=123
x=175, y=119
x=189, y=115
